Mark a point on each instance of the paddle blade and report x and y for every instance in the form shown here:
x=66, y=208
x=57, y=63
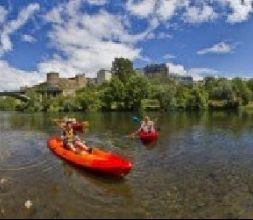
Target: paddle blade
x=136, y=119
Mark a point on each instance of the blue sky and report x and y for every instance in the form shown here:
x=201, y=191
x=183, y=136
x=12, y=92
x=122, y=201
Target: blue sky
x=208, y=37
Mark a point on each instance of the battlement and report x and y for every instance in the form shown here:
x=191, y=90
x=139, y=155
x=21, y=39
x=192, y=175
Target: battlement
x=64, y=86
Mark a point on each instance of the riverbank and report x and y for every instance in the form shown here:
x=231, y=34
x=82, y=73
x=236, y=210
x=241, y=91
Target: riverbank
x=129, y=91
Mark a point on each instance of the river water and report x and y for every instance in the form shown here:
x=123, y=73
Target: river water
x=201, y=167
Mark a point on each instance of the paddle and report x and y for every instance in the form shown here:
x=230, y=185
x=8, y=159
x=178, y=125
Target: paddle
x=61, y=123
x=86, y=124
x=133, y=135
x=136, y=119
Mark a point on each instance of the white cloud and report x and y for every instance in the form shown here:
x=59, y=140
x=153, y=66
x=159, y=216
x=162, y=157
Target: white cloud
x=200, y=14
x=191, y=11
x=200, y=73
x=197, y=73
x=241, y=10
x=12, y=26
x=97, y=2
x=28, y=38
x=143, y=8
x=166, y=9
x=145, y=59
x=164, y=35
x=161, y=9
x=98, y=39
x=86, y=42
x=87, y=61
x=12, y=78
x=54, y=16
x=169, y=56
x=176, y=69
x=3, y=13
x=220, y=48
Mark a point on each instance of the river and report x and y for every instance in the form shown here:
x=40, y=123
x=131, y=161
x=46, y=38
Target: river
x=201, y=167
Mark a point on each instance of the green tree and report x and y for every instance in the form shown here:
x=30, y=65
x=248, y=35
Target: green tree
x=166, y=94
x=123, y=69
x=223, y=95
x=89, y=99
x=35, y=102
x=114, y=94
x=182, y=97
x=243, y=92
x=198, y=99
x=9, y=104
x=137, y=89
x=250, y=84
x=223, y=91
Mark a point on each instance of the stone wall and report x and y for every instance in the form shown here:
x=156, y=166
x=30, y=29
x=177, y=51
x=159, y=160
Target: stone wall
x=67, y=86
x=71, y=85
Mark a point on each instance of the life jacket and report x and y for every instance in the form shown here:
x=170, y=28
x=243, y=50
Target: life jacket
x=147, y=127
x=69, y=135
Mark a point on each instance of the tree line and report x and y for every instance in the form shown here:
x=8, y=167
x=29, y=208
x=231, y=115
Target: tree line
x=129, y=91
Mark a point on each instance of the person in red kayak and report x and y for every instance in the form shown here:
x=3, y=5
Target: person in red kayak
x=147, y=126
x=71, y=141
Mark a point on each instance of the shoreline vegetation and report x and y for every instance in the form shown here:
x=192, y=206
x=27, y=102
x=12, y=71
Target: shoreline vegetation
x=129, y=91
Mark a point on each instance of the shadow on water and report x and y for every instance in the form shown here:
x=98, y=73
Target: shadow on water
x=151, y=145
x=69, y=168
x=102, y=181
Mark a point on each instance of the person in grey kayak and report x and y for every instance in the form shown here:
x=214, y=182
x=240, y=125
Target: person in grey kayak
x=71, y=141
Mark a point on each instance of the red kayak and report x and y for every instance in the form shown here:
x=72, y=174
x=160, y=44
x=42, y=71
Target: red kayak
x=149, y=137
x=97, y=161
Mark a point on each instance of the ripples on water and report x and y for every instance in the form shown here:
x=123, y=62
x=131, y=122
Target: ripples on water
x=201, y=167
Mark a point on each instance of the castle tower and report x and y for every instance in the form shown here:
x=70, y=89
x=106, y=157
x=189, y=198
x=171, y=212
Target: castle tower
x=53, y=79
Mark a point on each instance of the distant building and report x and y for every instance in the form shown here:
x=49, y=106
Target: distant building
x=55, y=85
x=162, y=71
x=185, y=80
x=140, y=71
x=156, y=71
x=103, y=76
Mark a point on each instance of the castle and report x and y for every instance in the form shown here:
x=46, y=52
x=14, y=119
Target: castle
x=55, y=85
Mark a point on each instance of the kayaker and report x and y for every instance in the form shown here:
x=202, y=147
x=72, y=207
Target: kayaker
x=78, y=126
x=71, y=141
x=147, y=126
